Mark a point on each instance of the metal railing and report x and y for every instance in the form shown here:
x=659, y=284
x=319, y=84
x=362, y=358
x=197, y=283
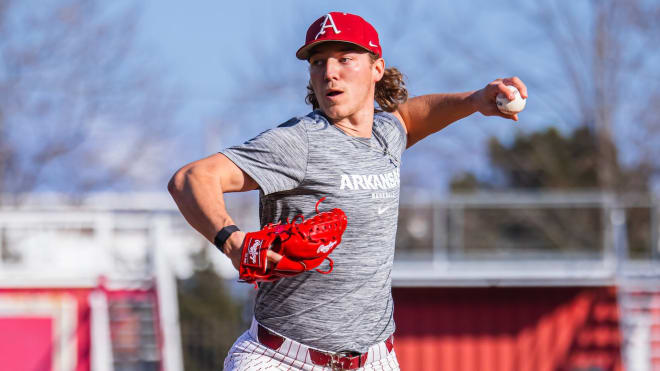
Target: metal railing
x=525, y=238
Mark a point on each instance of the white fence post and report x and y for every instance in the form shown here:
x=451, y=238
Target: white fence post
x=167, y=296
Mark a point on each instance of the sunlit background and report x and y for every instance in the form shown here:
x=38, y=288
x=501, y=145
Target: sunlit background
x=531, y=245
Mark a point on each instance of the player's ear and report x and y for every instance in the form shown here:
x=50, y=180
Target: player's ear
x=378, y=69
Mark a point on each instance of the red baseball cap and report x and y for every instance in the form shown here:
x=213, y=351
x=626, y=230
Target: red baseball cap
x=344, y=27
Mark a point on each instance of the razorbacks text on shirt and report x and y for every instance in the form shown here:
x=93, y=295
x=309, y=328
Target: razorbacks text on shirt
x=371, y=181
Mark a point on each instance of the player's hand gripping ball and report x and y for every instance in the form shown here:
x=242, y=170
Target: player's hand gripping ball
x=510, y=107
x=303, y=244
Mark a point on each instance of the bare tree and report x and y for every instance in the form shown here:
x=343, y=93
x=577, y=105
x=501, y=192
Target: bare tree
x=611, y=73
x=587, y=64
x=81, y=105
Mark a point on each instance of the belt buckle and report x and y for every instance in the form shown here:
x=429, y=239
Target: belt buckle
x=335, y=364
x=335, y=360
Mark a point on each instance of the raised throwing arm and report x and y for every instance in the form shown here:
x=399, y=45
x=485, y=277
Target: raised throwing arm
x=427, y=114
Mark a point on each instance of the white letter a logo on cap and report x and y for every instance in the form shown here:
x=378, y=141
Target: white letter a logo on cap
x=328, y=22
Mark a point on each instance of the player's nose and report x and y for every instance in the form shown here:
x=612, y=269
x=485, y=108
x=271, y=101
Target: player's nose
x=331, y=69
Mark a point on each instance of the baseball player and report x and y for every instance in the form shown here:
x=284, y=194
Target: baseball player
x=349, y=152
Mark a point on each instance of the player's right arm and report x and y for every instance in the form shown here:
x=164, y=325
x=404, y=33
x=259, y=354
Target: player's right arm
x=198, y=188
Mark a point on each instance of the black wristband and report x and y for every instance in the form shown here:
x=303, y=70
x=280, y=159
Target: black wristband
x=223, y=235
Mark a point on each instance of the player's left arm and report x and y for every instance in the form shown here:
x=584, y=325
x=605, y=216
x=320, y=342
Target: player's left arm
x=424, y=115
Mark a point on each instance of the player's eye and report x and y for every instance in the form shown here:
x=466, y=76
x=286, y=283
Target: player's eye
x=344, y=59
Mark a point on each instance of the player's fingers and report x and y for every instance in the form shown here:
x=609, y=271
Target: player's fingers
x=513, y=117
x=501, y=88
x=273, y=256
x=515, y=81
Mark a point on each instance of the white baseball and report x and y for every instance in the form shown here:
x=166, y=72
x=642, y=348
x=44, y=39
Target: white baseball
x=510, y=107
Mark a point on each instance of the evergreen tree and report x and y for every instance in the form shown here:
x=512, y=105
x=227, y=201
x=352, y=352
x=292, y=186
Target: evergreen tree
x=548, y=160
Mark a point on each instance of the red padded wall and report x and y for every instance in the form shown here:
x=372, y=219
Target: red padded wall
x=498, y=329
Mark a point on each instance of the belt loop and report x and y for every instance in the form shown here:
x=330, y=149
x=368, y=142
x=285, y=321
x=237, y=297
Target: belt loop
x=389, y=343
x=363, y=359
x=269, y=339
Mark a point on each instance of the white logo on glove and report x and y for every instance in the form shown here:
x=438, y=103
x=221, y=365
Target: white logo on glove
x=324, y=248
x=253, y=250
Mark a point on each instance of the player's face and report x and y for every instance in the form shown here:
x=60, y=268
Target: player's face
x=343, y=79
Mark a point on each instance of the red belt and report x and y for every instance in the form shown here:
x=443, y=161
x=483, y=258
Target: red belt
x=344, y=361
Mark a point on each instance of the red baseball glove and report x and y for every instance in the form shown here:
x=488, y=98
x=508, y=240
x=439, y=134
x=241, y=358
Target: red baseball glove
x=304, y=245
